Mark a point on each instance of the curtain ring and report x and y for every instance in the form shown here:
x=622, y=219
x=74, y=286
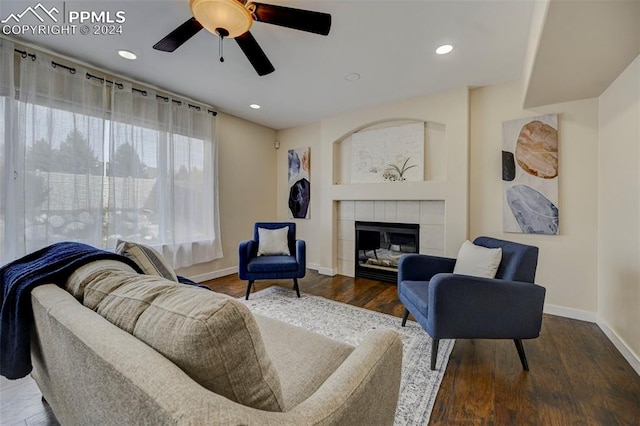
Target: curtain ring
x=72, y=70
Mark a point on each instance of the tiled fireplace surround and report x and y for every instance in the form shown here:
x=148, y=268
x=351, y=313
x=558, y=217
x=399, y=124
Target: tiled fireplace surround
x=429, y=214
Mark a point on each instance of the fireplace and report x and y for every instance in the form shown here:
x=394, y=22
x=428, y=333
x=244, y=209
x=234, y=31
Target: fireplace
x=379, y=246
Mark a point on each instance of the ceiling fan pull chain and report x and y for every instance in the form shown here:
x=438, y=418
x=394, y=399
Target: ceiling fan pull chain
x=220, y=48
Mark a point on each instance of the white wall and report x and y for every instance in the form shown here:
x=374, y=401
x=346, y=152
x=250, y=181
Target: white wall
x=447, y=108
x=567, y=262
x=619, y=209
x=247, y=189
x=298, y=137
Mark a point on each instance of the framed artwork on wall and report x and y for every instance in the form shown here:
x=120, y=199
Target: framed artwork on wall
x=389, y=154
x=299, y=179
x=530, y=175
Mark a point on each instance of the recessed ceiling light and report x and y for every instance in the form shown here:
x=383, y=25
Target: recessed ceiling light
x=127, y=54
x=354, y=76
x=444, y=49
x=255, y=106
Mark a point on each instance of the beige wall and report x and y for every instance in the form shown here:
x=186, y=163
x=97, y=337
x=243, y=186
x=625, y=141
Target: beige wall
x=451, y=109
x=298, y=137
x=247, y=188
x=591, y=269
x=619, y=208
x=447, y=108
x=567, y=262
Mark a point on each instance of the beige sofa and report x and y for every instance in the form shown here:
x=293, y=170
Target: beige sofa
x=93, y=366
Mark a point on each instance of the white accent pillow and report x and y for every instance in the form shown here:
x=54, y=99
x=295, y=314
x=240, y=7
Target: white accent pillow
x=273, y=241
x=477, y=261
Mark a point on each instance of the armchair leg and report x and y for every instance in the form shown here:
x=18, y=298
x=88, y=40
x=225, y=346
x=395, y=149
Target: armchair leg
x=295, y=287
x=521, y=354
x=434, y=353
x=405, y=316
x=248, y=289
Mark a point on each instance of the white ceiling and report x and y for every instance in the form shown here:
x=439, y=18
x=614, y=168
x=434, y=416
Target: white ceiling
x=583, y=48
x=389, y=43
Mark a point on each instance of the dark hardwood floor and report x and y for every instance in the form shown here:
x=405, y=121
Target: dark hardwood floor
x=576, y=377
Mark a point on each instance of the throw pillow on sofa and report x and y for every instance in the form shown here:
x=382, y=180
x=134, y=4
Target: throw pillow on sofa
x=213, y=338
x=147, y=258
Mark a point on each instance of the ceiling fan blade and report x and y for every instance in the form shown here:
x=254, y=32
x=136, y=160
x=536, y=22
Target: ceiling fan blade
x=179, y=36
x=255, y=54
x=298, y=19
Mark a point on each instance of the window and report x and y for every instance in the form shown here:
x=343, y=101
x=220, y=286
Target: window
x=95, y=162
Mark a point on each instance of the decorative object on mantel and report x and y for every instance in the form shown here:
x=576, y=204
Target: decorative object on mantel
x=390, y=154
x=530, y=175
x=299, y=178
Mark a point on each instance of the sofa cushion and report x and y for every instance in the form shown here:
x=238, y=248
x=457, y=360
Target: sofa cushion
x=79, y=279
x=304, y=360
x=273, y=264
x=418, y=293
x=147, y=258
x=121, y=297
x=211, y=337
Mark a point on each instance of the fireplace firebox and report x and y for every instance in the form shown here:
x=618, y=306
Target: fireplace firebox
x=379, y=246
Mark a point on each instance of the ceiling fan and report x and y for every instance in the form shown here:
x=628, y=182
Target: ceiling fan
x=233, y=19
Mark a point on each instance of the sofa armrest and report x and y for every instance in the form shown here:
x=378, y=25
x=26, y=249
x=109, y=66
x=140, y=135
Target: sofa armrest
x=422, y=267
x=246, y=251
x=301, y=257
x=462, y=306
x=363, y=390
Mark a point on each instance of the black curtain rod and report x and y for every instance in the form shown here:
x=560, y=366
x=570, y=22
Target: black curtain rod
x=25, y=54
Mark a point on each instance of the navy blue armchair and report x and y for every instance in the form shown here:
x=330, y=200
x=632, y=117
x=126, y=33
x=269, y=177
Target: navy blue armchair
x=252, y=267
x=453, y=306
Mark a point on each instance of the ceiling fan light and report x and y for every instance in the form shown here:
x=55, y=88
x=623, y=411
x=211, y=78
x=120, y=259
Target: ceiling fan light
x=230, y=15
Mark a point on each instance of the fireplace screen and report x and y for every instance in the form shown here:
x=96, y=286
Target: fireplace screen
x=379, y=247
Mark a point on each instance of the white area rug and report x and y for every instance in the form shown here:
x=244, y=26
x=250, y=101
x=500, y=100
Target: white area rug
x=350, y=324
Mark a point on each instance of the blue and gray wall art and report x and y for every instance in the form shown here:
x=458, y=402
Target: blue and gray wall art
x=530, y=175
x=299, y=177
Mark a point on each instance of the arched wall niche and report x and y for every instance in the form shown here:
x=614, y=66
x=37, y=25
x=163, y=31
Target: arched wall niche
x=435, y=149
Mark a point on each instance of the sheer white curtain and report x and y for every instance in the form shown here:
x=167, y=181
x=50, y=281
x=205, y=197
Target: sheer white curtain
x=53, y=155
x=7, y=92
x=87, y=160
x=163, y=190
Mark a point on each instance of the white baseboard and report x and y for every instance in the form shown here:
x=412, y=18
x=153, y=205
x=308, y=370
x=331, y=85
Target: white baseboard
x=234, y=270
x=561, y=311
x=632, y=358
x=314, y=266
x=214, y=274
x=328, y=271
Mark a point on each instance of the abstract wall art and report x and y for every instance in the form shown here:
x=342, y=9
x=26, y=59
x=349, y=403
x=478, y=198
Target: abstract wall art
x=530, y=175
x=390, y=154
x=299, y=178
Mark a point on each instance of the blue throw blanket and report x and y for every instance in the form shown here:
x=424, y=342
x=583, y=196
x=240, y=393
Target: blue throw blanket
x=52, y=264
